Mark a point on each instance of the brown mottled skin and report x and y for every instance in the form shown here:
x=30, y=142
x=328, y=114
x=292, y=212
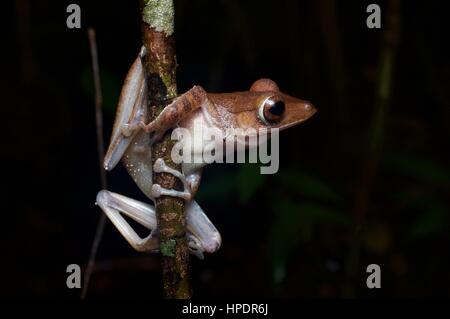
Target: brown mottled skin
x=241, y=108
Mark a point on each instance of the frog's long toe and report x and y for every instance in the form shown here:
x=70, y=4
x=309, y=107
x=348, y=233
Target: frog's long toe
x=157, y=191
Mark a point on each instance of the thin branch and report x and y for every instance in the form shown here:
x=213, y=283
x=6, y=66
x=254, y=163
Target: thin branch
x=101, y=152
x=332, y=39
x=160, y=71
x=369, y=170
x=28, y=66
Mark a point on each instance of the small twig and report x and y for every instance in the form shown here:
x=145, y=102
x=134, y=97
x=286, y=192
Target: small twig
x=28, y=66
x=101, y=152
x=332, y=38
x=369, y=170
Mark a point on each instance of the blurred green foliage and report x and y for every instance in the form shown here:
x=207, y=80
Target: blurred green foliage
x=302, y=205
x=307, y=185
x=433, y=220
x=317, y=50
x=421, y=175
x=110, y=88
x=301, y=202
x=294, y=222
x=421, y=169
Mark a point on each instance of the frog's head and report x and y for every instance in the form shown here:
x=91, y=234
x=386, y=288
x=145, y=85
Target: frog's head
x=278, y=110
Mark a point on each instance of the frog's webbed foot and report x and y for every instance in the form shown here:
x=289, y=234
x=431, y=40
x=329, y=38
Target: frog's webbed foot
x=157, y=191
x=195, y=246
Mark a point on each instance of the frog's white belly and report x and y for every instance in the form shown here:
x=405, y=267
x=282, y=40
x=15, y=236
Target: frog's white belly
x=137, y=158
x=198, y=131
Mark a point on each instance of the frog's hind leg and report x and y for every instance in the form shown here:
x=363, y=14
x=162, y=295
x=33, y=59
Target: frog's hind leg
x=130, y=112
x=202, y=234
x=114, y=204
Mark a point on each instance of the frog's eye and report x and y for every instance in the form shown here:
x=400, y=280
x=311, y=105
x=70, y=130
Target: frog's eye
x=271, y=110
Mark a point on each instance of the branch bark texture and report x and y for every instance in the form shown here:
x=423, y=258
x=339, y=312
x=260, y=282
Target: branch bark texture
x=160, y=71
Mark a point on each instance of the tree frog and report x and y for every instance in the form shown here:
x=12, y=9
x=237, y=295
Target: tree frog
x=263, y=106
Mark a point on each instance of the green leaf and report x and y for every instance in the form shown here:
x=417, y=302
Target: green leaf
x=320, y=214
x=293, y=223
x=432, y=222
x=110, y=88
x=285, y=234
x=249, y=180
x=423, y=170
x=217, y=189
x=308, y=185
x=412, y=198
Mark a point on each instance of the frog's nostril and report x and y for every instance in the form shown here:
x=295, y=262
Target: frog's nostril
x=310, y=108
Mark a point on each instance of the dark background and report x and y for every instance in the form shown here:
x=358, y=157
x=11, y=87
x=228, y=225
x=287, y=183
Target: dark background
x=366, y=180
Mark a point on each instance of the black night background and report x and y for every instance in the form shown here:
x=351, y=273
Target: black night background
x=365, y=181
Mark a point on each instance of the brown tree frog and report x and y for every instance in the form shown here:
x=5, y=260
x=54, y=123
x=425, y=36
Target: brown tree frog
x=263, y=106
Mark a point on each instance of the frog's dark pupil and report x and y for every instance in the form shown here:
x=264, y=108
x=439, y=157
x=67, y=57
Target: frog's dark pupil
x=277, y=108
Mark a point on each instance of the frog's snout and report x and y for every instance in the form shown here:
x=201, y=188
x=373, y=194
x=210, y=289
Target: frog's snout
x=309, y=108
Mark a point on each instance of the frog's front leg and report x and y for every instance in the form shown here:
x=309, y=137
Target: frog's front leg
x=172, y=114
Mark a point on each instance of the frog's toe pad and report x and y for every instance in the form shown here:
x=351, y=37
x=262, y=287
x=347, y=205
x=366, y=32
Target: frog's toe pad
x=126, y=130
x=157, y=190
x=159, y=166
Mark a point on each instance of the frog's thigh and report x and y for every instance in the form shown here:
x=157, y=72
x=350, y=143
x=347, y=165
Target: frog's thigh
x=130, y=110
x=114, y=204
